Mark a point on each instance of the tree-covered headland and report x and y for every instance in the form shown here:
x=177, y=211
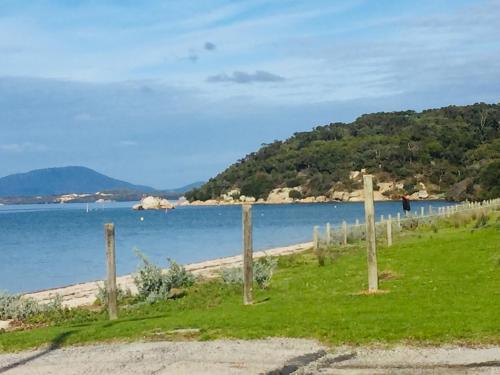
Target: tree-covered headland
x=453, y=150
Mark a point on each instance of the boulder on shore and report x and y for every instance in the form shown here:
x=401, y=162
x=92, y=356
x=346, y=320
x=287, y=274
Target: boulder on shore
x=153, y=203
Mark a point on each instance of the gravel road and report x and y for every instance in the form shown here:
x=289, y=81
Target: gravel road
x=271, y=357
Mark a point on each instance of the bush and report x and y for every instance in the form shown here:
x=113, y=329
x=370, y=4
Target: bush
x=153, y=284
x=17, y=307
x=102, y=294
x=263, y=270
x=233, y=275
x=481, y=221
x=295, y=194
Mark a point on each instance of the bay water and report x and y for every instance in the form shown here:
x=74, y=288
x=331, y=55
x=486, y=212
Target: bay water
x=47, y=246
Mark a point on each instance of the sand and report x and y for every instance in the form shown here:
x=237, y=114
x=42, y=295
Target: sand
x=85, y=293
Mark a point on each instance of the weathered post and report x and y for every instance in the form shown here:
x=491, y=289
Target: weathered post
x=381, y=218
x=316, y=237
x=399, y=221
x=357, y=221
x=247, y=254
x=422, y=213
x=389, y=231
x=344, y=233
x=370, y=234
x=430, y=210
x=109, y=233
x=328, y=234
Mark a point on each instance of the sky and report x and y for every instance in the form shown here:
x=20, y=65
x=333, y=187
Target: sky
x=165, y=93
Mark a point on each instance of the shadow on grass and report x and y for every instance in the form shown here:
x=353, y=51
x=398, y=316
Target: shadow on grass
x=128, y=320
x=55, y=344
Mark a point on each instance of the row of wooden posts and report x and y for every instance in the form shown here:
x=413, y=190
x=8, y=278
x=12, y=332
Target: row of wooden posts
x=370, y=225
x=111, y=290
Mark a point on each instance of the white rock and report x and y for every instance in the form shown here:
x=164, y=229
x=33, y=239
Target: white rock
x=281, y=195
x=153, y=203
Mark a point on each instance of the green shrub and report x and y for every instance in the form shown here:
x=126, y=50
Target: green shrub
x=295, y=194
x=17, y=307
x=320, y=256
x=232, y=275
x=102, y=294
x=481, y=221
x=263, y=270
x=154, y=284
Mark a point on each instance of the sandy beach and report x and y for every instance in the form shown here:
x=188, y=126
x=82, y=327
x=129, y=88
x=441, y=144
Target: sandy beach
x=85, y=293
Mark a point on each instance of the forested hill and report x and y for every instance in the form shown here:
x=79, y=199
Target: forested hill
x=453, y=150
x=52, y=181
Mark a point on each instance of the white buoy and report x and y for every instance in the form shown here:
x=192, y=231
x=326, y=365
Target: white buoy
x=142, y=219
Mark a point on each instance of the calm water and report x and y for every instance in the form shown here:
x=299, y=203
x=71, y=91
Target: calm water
x=44, y=246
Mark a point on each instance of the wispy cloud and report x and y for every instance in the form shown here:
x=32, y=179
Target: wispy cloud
x=22, y=147
x=244, y=77
x=209, y=46
x=127, y=143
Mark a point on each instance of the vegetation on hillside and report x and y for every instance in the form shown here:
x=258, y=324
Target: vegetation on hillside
x=453, y=150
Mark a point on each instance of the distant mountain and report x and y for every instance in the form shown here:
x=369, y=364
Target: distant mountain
x=183, y=189
x=64, y=180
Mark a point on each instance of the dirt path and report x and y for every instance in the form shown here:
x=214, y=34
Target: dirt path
x=179, y=358
x=271, y=357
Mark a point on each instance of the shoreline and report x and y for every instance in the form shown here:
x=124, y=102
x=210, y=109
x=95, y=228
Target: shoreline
x=83, y=294
x=235, y=203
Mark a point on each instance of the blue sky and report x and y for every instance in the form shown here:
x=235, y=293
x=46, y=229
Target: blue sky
x=168, y=92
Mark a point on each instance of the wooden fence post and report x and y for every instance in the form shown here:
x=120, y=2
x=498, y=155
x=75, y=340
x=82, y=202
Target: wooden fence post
x=328, y=234
x=370, y=234
x=357, y=221
x=381, y=218
x=422, y=213
x=430, y=210
x=247, y=254
x=344, y=233
x=316, y=237
x=109, y=233
x=399, y=220
x=389, y=231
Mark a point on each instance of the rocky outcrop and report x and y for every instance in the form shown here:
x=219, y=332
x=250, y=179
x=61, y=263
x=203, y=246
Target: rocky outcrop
x=153, y=203
x=421, y=194
x=458, y=191
x=282, y=195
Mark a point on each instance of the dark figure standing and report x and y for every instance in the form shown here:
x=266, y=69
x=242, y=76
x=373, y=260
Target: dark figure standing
x=406, y=203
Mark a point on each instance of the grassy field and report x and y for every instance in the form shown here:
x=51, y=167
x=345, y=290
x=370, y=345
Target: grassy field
x=442, y=286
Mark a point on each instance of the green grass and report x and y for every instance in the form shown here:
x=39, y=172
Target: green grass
x=442, y=287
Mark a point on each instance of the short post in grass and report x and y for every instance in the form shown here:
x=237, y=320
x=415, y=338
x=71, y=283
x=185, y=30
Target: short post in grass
x=399, y=220
x=109, y=232
x=357, y=221
x=328, y=234
x=315, y=237
x=247, y=254
x=344, y=233
x=389, y=231
x=370, y=234
x=422, y=211
x=430, y=210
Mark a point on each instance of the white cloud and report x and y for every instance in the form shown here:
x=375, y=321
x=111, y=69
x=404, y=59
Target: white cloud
x=128, y=143
x=22, y=147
